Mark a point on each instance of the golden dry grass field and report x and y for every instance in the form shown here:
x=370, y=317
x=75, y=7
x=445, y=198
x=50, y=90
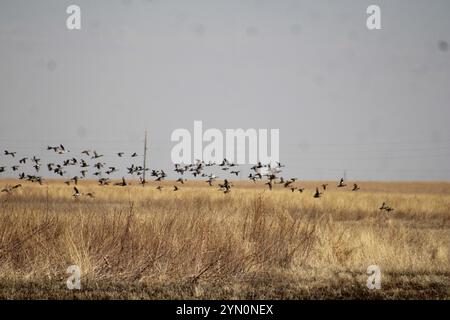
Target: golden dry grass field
x=137, y=242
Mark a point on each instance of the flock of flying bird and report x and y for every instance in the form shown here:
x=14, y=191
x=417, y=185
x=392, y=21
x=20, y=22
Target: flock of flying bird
x=259, y=172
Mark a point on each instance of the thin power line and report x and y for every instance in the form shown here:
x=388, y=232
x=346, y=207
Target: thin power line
x=415, y=142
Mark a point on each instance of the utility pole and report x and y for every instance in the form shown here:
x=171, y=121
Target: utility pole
x=145, y=159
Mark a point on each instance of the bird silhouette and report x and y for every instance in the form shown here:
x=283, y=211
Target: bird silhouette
x=110, y=170
x=268, y=173
x=385, y=207
x=317, y=194
x=181, y=180
x=83, y=164
x=9, y=153
x=76, y=194
x=225, y=186
x=123, y=183
x=341, y=183
x=279, y=165
x=103, y=181
x=9, y=189
x=96, y=155
x=288, y=183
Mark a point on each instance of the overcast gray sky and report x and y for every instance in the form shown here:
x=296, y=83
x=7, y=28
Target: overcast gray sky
x=373, y=103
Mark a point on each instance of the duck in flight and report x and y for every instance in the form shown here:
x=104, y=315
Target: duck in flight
x=96, y=155
x=317, y=194
x=121, y=184
x=9, y=153
x=74, y=179
x=225, y=186
x=279, y=165
x=103, y=181
x=9, y=189
x=61, y=149
x=76, y=193
x=385, y=207
x=211, y=179
x=341, y=183
x=181, y=180
x=36, y=160
x=288, y=183
x=99, y=165
x=83, y=164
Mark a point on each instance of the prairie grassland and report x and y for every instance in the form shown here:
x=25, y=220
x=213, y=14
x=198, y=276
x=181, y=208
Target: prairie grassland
x=137, y=242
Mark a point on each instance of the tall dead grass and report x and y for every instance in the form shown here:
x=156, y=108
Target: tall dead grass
x=198, y=242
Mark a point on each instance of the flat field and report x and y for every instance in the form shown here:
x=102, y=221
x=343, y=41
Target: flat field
x=138, y=242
